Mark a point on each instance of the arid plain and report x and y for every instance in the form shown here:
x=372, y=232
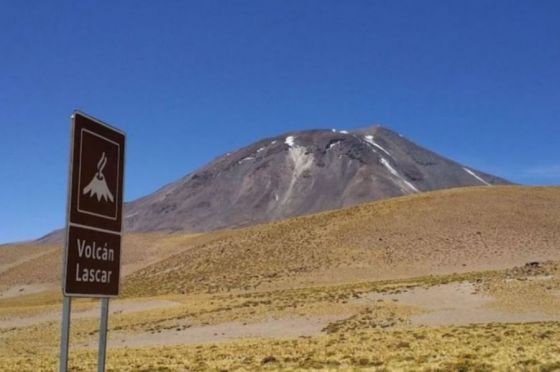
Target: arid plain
x=461, y=279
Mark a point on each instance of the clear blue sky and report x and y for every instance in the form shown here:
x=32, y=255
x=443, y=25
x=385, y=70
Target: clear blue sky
x=477, y=81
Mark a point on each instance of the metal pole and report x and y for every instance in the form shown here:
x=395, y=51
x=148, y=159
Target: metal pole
x=103, y=334
x=65, y=334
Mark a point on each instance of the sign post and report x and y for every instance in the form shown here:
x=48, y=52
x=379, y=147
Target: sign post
x=103, y=334
x=92, y=251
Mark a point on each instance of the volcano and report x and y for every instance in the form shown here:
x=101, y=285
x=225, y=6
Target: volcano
x=98, y=186
x=293, y=174
x=299, y=173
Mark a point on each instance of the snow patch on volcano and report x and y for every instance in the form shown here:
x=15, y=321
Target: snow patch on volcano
x=332, y=144
x=290, y=141
x=394, y=172
x=369, y=139
x=476, y=176
x=301, y=162
x=245, y=159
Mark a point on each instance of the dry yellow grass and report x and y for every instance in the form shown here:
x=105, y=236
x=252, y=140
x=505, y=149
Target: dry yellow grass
x=492, y=347
x=315, y=267
x=370, y=335
x=460, y=230
x=528, y=289
x=37, y=264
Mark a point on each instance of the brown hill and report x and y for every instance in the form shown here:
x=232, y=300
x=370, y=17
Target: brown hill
x=458, y=230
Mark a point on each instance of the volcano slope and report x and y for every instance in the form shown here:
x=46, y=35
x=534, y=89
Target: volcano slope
x=295, y=174
x=462, y=279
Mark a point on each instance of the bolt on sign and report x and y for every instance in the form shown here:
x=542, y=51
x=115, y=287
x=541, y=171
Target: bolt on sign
x=95, y=208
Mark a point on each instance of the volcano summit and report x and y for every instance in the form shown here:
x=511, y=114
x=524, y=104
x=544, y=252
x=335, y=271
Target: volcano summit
x=295, y=174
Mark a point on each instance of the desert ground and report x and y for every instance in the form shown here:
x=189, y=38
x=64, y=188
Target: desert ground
x=462, y=279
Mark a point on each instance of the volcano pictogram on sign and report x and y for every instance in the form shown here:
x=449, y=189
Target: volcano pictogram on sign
x=97, y=177
x=98, y=185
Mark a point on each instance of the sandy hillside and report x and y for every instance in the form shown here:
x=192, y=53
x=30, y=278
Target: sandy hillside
x=464, y=279
x=458, y=230
x=28, y=265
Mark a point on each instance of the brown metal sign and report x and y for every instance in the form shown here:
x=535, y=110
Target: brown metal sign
x=95, y=208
